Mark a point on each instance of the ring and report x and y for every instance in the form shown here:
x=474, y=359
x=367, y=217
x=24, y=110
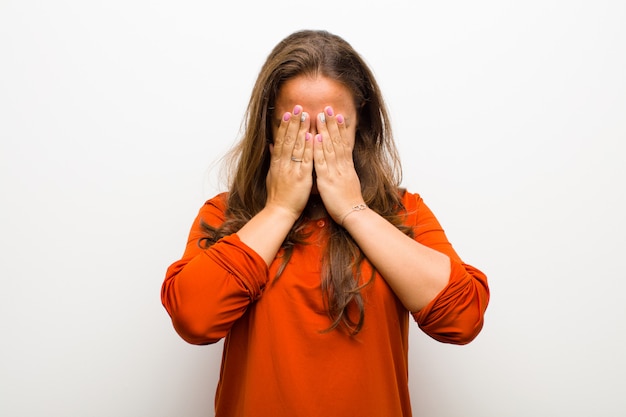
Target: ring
x=296, y=160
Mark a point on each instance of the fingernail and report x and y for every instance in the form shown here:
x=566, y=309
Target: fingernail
x=297, y=110
x=307, y=136
x=329, y=111
x=303, y=117
x=322, y=118
x=318, y=137
x=286, y=117
x=339, y=119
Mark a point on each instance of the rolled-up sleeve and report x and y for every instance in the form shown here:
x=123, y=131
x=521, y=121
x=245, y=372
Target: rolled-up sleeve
x=456, y=314
x=207, y=290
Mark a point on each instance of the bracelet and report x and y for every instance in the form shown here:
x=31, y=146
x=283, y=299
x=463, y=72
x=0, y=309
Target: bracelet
x=358, y=207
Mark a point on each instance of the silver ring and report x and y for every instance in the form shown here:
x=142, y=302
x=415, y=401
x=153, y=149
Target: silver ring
x=296, y=160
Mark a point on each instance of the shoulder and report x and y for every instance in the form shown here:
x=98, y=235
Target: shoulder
x=219, y=202
x=213, y=211
x=411, y=202
x=416, y=212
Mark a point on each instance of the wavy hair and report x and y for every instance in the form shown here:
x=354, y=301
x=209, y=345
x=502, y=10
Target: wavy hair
x=375, y=156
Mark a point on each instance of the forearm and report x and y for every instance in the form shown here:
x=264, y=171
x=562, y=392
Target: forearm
x=416, y=273
x=266, y=231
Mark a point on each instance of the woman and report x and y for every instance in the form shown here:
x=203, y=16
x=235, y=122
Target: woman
x=312, y=263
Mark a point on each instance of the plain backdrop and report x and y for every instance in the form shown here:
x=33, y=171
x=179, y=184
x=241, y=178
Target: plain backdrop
x=511, y=121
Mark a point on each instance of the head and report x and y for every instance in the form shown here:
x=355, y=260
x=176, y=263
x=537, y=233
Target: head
x=308, y=57
x=311, y=55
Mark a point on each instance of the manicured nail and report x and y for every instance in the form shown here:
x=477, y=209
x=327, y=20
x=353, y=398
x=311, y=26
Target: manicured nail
x=318, y=137
x=307, y=136
x=297, y=110
x=329, y=111
x=339, y=119
x=303, y=117
x=286, y=117
x=322, y=118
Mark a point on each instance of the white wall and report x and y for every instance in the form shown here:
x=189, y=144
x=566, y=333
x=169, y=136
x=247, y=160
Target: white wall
x=511, y=119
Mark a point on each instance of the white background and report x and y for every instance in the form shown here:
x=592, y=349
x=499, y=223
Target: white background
x=511, y=121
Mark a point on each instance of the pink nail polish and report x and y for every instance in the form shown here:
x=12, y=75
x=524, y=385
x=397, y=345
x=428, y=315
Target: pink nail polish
x=339, y=119
x=297, y=110
x=307, y=136
x=286, y=117
x=329, y=111
x=318, y=137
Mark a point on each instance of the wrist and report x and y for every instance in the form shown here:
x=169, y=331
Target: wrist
x=354, y=209
x=280, y=214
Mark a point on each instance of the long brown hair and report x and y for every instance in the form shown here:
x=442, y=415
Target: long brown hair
x=375, y=158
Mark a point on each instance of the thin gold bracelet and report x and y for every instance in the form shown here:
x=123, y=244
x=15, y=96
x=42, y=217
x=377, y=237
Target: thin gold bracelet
x=358, y=207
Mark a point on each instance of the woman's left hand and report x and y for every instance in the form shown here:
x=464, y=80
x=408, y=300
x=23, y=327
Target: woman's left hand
x=337, y=180
x=415, y=272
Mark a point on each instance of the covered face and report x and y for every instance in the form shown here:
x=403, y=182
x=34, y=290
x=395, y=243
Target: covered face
x=314, y=93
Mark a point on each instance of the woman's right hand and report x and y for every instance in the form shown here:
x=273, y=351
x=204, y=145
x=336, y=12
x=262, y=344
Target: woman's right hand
x=290, y=177
x=289, y=182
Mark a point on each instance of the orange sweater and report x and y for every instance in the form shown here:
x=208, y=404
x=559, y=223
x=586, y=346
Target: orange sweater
x=276, y=361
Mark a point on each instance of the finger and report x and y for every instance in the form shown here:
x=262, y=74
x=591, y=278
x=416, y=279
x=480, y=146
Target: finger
x=319, y=156
x=279, y=139
x=291, y=134
x=299, y=145
x=343, y=149
x=307, y=155
x=322, y=129
x=333, y=129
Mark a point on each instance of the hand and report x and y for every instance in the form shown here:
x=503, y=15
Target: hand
x=290, y=175
x=337, y=180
